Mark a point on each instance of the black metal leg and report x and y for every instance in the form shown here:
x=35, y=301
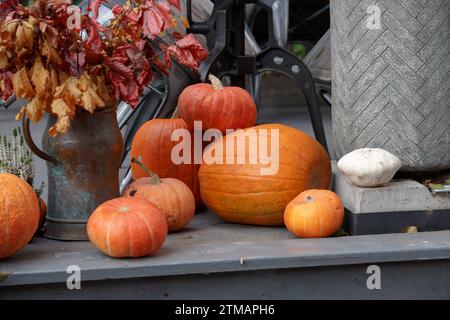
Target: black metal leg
x=314, y=111
x=227, y=57
x=284, y=62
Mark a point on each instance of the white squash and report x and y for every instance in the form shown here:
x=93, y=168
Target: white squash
x=369, y=167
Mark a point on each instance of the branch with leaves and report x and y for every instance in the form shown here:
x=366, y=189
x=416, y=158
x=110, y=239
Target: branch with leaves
x=61, y=66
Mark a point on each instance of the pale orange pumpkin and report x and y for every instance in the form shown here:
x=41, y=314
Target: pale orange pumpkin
x=19, y=214
x=243, y=193
x=172, y=196
x=314, y=214
x=216, y=106
x=127, y=227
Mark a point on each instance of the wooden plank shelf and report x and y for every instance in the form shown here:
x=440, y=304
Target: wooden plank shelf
x=215, y=259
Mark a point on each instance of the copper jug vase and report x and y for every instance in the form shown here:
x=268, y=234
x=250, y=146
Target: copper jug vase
x=83, y=170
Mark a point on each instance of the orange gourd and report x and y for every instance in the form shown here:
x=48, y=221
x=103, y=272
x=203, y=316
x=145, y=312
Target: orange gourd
x=127, y=227
x=42, y=213
x=153, y=146
x=314, y=214
x=172, y=196
x=243, y=193
x=19, y=214
x=217, y=106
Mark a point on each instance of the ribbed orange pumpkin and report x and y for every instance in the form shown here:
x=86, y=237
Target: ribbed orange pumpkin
x=217, y=106
x=127, y=227
x=242, y=193
x=172, y=196
x=152, y=145
x=19, y=214
x=314, y=214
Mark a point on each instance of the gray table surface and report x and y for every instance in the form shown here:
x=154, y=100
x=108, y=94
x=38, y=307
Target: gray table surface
x=211, y=245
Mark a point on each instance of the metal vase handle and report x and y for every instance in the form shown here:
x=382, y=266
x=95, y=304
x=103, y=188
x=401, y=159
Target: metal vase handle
x=29, y=140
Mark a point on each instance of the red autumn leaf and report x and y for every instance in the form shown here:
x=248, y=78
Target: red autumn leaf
x=7, y=6
x=94, y=6
x=134, y=52
x=187, y=51
x=131, y=16
x=117, y=10
x=156, y=18
x=145, y=75
x=125, y=89
x=77, y=61
x=117, y=65
x=129, y=71
x=175, y=3
x=94, y=44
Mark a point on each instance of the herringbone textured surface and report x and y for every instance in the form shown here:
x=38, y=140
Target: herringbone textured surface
x=391, y=86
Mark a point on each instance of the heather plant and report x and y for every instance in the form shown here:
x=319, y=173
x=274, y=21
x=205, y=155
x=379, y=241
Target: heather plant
x=15, y=156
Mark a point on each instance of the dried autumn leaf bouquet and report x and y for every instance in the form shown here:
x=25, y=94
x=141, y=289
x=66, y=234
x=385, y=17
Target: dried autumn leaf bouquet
x=63, y=61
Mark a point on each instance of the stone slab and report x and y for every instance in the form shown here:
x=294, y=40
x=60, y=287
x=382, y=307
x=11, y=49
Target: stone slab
x=398, y=195
x=391, y=208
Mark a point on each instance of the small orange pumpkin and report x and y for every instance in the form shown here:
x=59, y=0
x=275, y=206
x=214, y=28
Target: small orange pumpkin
x=314, y=214
x=217, y=106
x=19, y=214
x=127, y=227
x=172, y=196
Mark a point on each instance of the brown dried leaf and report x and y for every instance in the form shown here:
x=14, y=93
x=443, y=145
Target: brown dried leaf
x=74, y=90
x=85, y=82
x=61, y=126
x=51, y=53
x=11, y=26
x=55, y=79
x=35, y=110
x=61, y=109
x=60, y=90
x=3, y=59
x=33, y=21
x=20, y=113
x=91, y=101
x=86, y=90
x=24, y=36
x=63, y=77
x=185, y=22
x=41, y=79
x=22, y=84
x=410, y=229
x=102, y=89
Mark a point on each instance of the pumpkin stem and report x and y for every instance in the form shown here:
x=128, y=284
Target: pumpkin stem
x=216, y=83
x=154, y=176
x=175, y=114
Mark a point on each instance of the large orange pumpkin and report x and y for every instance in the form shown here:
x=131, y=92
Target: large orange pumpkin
x=217, y=106
x=172, y=196
x=314, y=214
x=153, y=146
x=127, y=227
x=19, y=214
x=243, y=193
